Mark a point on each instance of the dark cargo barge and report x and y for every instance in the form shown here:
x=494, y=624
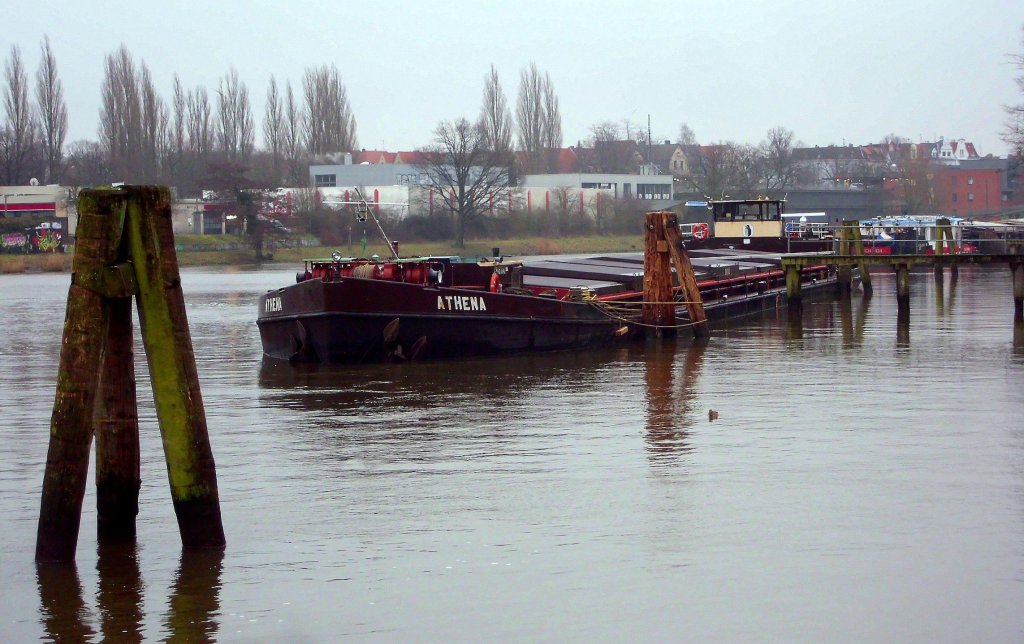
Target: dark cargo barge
x=360, y=310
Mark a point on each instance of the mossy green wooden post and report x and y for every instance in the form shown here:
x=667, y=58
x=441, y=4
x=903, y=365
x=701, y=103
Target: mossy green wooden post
x=117, y=430
x=858, y=249
x=100, y=218
x=844, y=282
x=172, y=366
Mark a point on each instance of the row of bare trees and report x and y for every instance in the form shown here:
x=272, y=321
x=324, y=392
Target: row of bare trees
x=538, y=120
x=194, y=139
x=32, y=134
x=199, y=142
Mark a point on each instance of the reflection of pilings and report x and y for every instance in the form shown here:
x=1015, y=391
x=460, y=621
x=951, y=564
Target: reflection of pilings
x=194, y=603
x=64, y=614
x=846, y=320
x=795, y=323
x=940, y=299
x=902, y=331
x=862, y=315
x=119, y=597
x=1018, y=289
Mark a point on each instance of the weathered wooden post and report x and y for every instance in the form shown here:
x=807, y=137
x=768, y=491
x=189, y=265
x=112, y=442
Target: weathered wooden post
x=117, y=430
x=858, y=249
x=903, y=291
x=1017, y=268
x=658, y=309
x=172, y=366
x=793, y=294
x=125, y=247
x=844, y=283
x=684, y=272
x=100, y=219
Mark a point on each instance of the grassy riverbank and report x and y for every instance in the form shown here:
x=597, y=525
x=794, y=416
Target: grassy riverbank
x=48, y=262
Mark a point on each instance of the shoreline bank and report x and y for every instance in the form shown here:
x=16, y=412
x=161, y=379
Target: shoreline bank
x=61, y=262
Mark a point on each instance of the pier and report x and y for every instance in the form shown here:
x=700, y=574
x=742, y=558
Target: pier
x=851, y=253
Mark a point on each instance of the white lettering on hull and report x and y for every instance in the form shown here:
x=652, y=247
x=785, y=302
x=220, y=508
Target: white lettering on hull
x=272, y=305
x=460, y=303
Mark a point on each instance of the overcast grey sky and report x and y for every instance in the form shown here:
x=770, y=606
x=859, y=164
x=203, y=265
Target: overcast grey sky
x=832, y=72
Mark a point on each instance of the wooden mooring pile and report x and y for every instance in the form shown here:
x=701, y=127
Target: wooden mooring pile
x=125, y=250
x=851, y=253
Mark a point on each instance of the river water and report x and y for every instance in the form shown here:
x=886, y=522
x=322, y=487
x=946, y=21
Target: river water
x=864, y=481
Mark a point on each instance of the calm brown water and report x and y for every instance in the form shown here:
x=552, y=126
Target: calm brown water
x=864, y=482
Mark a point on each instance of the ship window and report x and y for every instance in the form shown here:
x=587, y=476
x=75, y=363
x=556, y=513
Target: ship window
x=325, y=180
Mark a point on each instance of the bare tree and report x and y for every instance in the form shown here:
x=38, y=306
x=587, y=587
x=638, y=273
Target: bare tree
x=686, y=135
x=495, y=115
x=530, y=116
x=200, y=124
x=86, y=164
x=18, y=135
x=725, y=170
x=1013, y=134
x=552, y=133
x=178, y=129
x=234, y=124
x=53, y=112
x=120, y=114
x=329, y=124
x=538, y=118
x=154, y=126
x=273, y=128
x=779, y=169
x=293, y=126
x=468, y=177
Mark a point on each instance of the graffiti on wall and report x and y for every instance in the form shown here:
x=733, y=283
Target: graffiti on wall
x=13, y=242
x=46, y=240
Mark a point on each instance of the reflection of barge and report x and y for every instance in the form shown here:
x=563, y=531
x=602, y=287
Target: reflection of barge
x=353, y=310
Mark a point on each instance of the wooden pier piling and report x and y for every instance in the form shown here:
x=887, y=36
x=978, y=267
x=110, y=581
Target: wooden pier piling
x=844, y=281
x=858, y=250
x=172, y=366
x=81, y=357
x=903, y=289
x=117, y=430
x=663, y=246
x=125, y=247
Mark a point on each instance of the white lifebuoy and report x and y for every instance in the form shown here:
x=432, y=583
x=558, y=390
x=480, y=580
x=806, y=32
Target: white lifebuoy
x=699, y=231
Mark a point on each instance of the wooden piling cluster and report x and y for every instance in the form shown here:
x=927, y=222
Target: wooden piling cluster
x=663, y=248
x=125, y=249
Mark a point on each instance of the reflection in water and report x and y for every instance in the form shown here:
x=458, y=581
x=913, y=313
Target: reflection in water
x=194, y=606
x=940, y=304
x=795, y=323
x=1018, y=338
x=63, y=612
x=902, y=330
x=670, y=414
x=852, y=327
x=120, y=596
